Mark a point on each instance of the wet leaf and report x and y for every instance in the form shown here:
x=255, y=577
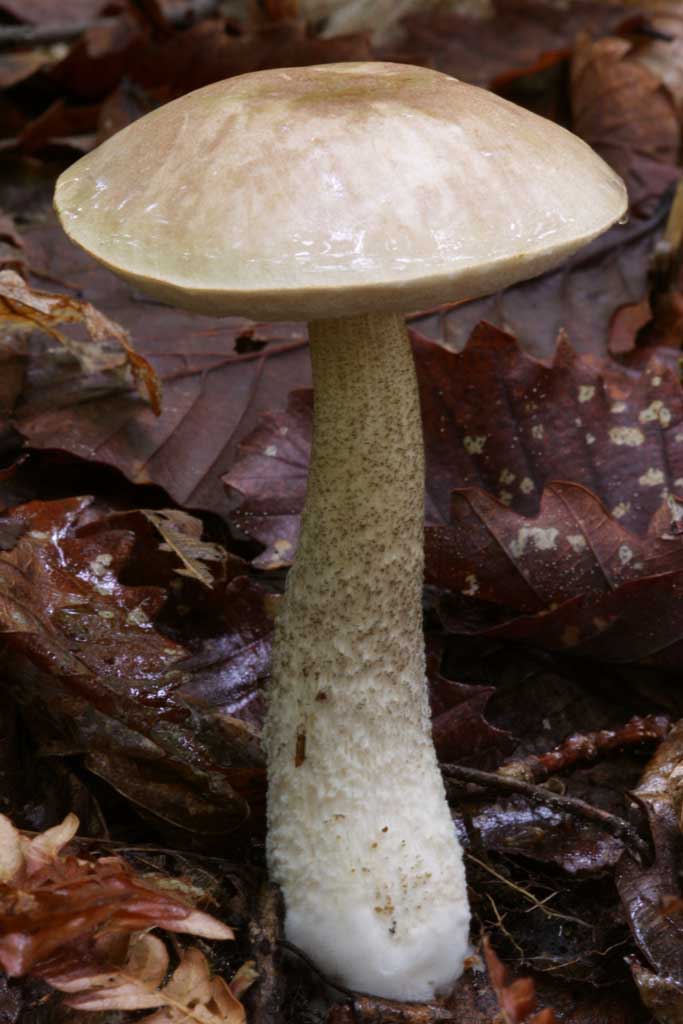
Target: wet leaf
x=89, y=660
x=646, y=888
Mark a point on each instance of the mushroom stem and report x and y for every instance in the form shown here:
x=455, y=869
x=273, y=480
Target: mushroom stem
x=360, y=836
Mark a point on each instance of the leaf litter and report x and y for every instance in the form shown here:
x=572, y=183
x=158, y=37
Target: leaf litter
x=137, y=636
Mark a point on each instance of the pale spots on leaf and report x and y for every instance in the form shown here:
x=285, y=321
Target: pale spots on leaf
x=271, y=450
x=652, y=478
x=632, y=437
x=625, y=554
x=100, y=564
x=506, y=476
x=586, y=392
x=656, y=411
x=526, y=485
x=622, y=509
x=590, y=438
x=577, y=542
x=474, y=445
x=618, y=407
x=534, y=537
x=537, y=431
x=472, y=587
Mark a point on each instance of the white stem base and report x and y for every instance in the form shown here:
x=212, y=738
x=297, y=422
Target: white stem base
x=360, y=835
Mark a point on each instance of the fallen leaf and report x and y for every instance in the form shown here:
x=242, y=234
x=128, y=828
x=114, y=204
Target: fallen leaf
x=514, y=36
x=43, y=12
x=623, y=112
x=85, y=655
x=580, y=297
x=497, y=419
x=182, y=535
x=52, y=902
x=645, y=888
x=28, y=309
x=517, y=999
x=190, y=995
x=212, y=393
x=573, y=547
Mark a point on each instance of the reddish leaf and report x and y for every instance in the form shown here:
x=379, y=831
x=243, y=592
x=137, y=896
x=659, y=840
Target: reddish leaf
x=212, y=395
x=574, y=547
x=495, y=418
x=50, y=901
x=622, y=110
x=645, y=888
x=88, y=659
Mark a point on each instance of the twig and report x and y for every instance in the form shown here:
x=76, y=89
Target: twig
x=242, y=357
x=265, y=934
x=540, y=795
x=586, y=747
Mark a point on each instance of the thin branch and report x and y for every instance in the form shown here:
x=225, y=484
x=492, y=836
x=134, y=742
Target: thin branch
x=567, y=804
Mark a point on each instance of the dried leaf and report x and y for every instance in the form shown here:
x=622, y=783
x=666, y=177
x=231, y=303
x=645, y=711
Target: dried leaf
x=190, y=995
x=497, y=419
x=52, y=903
x=573, y=547
x=29, y=309
x=182, y=535
x=213, y=394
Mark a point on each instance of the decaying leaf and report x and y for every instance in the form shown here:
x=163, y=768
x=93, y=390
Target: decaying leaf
x=84, y=654
x=182, y=535
x=191, y=995
x=53, y=905
x=26, y=308
x=646, y=889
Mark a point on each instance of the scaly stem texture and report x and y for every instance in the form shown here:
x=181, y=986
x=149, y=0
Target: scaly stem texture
x=360, y=837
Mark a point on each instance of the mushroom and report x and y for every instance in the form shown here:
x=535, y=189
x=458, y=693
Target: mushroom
x=343, y=195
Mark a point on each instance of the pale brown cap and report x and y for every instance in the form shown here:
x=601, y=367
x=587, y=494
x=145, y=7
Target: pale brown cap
x=328, y=191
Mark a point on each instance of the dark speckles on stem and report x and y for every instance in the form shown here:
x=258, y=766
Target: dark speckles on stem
x=300, y=751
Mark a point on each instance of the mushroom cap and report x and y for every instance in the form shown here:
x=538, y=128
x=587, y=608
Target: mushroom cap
x=333, y=190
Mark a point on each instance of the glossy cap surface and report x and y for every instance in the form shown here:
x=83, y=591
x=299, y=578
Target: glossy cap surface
x=326, y=191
